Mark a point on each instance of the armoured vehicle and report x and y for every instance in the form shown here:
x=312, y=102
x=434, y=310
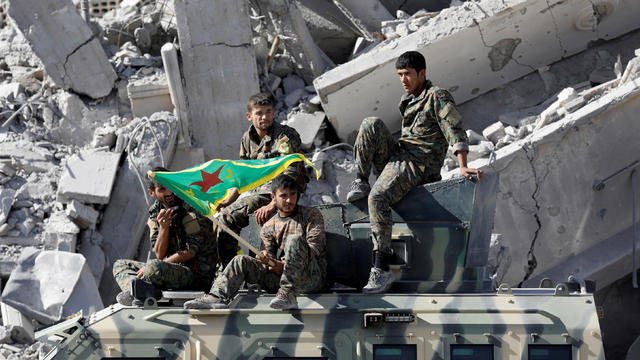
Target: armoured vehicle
x=443, y=306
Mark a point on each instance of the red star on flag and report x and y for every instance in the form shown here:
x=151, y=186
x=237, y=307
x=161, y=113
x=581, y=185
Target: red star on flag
x=208, y=180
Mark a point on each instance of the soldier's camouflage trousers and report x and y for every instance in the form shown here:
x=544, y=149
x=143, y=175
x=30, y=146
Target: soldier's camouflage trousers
x=399, y=173
x=302, y=272
x=236, y=217
x=160, y=273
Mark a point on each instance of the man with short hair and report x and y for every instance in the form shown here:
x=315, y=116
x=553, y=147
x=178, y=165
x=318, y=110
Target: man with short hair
x=296, y=230
x=264, y=139
x=182, y=241
x=430, y=123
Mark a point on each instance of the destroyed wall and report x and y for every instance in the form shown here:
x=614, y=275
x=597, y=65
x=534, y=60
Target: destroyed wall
x=552, y=218
x=498, y=42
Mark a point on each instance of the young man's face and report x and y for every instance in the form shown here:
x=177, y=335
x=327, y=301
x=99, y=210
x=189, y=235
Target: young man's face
x=286, y=200
x=412, y=81
x=261, y=116
x=164, y=196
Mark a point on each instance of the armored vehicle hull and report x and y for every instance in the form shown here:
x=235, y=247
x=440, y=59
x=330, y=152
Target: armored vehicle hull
x=441, y=306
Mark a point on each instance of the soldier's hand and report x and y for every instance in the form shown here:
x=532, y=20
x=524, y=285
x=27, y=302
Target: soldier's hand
x=164, y=218
x=265, y=213
x=233, y=195
x=263, y=257
x=467, y=172
x=140, y=273
x=278, y=267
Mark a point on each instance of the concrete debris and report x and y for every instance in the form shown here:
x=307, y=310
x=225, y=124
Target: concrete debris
x=495, y=53
x=81, y=171
x=21, y=328
x=69, y=50
x=47, y=296
x=307, y=125
x=73, y=149
x=83, y=215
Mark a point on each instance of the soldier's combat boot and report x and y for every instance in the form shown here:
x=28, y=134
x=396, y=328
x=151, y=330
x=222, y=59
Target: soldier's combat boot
x=284, y=300
x=359, y=189
x=142, y=290
x=379, y=281
x=206, y=301
x=125, y=298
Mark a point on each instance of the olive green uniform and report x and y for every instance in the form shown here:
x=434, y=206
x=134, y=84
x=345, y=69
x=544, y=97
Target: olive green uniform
x=280, y=140
x=430, y=123
x=189, y=231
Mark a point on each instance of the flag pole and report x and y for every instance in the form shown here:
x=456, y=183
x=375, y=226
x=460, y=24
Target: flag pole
x=238, y=237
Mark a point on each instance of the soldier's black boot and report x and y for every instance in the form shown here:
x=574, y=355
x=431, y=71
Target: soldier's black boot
x=142, y=290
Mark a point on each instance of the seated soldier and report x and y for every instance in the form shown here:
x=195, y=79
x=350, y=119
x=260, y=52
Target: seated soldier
x=299, y=232
x=183, y=242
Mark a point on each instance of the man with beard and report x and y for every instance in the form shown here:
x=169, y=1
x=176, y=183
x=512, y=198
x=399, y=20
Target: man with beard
x=183, y=243
x=264, y=139
x=296, y=230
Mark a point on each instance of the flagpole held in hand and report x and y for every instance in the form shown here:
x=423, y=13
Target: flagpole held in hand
x=237, y=237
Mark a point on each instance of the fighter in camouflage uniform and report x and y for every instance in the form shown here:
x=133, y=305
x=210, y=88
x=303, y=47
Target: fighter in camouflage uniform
x=430, y=123
x=183, y=242
x=296, y=230
x=263, y=140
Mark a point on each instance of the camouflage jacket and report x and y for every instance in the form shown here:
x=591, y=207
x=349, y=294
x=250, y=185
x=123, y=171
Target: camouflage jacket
x=431, y=122
x=190, y=231
x=307, y=222
x=280, y=140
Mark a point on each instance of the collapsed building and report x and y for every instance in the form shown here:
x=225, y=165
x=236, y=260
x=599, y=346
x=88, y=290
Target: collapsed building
x=93, y=95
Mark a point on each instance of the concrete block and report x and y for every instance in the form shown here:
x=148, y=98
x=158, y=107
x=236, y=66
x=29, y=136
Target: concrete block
x=547, y=188
x=89, y=176
x=176, y=90
x=10, y=91
x=83, y=215
x=22, y=330
x=291, y=83
x=26, y=156
x=78, y=123
x=147, y=99
x=187, y=157
x=7, y=196
x=307, y=126
x=48, y=296
x=494, y=132
x=215, y=44
x=294, y=97
x=485, y=27
x=7, y=169
x=90, y=246
x=71, y=54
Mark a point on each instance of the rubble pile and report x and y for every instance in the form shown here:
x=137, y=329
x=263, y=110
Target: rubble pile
x=82, y=120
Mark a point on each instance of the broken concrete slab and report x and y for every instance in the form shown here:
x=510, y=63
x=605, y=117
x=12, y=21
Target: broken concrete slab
x=215, y=44
x=176, y=90
x=79, y=121
x=486, y=27
x=90, y=246
x=7, y=196
x=147, y=99
x=10, y=91
x=125, y=217
x=89, y=176
x=288, y=22
x=307, y=125
x=22, y=330
x=70, y=52
x=83, y=215
x=60, y=233
x=556, y=221
x=47, y=296
x=26, y=156
x=366, y=15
